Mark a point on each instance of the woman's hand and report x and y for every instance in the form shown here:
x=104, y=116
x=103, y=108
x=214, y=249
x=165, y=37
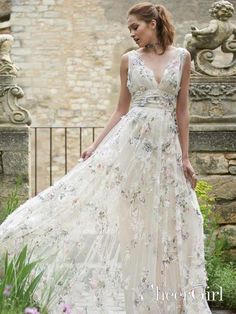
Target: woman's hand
x=88, y=152
x=189, y=172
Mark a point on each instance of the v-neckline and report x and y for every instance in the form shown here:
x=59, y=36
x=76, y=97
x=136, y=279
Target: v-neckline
x=152, y=72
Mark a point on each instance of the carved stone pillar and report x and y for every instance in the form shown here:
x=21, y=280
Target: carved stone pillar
x=213, y=111
x=14, y=125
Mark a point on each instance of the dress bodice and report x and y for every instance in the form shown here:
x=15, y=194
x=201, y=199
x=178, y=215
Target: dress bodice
x=143, y=86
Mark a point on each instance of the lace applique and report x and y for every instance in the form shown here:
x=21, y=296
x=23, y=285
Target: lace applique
x=141, y=78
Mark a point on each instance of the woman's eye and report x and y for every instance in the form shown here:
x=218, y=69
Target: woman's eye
x=134, y=28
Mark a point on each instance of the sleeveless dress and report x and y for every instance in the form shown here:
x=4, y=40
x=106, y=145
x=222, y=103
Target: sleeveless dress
x=122, y=232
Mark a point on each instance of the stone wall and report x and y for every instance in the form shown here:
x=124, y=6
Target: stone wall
x=69, y=54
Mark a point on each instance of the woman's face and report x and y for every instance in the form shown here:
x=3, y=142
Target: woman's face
x=142, y=33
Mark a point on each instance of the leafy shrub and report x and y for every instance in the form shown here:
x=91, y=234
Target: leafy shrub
x=221, y=270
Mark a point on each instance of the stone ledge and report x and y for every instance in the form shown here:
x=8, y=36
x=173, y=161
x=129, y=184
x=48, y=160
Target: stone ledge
x=209, y=163
x=223, y=187
x=15, y=138
x=212, y=141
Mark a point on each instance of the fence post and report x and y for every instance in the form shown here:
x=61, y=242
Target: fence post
x=14, y=125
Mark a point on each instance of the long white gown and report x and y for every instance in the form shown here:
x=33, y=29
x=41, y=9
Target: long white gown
x=124, y=226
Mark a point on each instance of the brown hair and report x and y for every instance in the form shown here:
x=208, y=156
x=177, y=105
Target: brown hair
x=147, y=11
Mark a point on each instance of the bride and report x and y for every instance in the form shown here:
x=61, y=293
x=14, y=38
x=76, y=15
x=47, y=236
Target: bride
x=124, y=227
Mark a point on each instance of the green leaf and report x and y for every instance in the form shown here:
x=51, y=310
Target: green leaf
x=33, y=284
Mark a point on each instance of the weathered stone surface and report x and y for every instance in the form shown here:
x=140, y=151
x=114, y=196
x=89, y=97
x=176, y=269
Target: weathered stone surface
x=227, y=212
x=224, y=187
x=9, y=182
x=230, y=155
x=232, y=162
x=220, y=311
x=209, y=163
x=212, y=101
x=201, y=46
x=1, y=166
x=230, y=231
x=210, y=141
x=15, y=163
x=14, y=139
x=232, y=166
x=197, y=11
x=5, y=7
x=232, y=169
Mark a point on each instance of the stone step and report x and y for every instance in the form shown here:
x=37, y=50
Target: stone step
x=223, y=311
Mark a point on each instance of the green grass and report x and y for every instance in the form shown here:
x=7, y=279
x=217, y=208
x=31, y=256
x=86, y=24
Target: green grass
x=18, y=283
x=12, y=201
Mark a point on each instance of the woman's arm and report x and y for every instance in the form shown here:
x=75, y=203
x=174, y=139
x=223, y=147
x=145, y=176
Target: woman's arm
x=182, y=117
x=182, y=110
x=121, y=109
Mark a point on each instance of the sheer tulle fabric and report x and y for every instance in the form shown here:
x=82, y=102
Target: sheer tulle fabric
x=124, y=227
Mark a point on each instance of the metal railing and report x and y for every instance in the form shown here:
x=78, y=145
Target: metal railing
x=35, y=140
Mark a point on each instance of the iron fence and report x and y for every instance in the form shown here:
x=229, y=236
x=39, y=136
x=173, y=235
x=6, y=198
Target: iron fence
x=48, y=150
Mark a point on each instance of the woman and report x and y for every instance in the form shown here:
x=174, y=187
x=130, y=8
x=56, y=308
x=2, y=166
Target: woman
x=125, y=225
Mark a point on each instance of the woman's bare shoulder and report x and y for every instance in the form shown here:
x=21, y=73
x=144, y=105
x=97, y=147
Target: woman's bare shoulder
x=184, y=51
x=125, y=58
x=127, y=53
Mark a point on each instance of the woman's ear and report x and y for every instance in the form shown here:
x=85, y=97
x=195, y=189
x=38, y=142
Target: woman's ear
x=153, y=23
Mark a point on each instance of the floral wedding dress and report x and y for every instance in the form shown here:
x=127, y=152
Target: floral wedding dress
x=123, y=228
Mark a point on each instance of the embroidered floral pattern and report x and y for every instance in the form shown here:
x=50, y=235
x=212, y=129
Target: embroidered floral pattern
x=124, y=226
